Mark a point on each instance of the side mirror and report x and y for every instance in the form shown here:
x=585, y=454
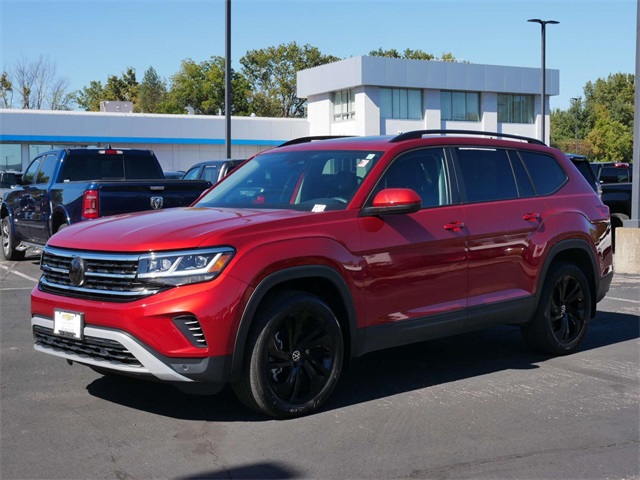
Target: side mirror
x=393, y=201
x=9, y=179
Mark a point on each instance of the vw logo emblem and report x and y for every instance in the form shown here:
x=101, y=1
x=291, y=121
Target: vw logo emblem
x=76, y=272
x=295, y=356
x=156, y=202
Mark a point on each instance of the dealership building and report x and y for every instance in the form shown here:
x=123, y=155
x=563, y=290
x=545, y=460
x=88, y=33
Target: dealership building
x=357, y=96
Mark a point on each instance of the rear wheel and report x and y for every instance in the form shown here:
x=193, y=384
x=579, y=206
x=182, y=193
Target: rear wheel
x=293, y=357
x=562, y=317
x=9, y=242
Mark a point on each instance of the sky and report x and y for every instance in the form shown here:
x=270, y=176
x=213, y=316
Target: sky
x=93, y=39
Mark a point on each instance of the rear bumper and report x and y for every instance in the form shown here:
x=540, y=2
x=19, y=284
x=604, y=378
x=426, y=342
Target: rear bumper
x=120, y=352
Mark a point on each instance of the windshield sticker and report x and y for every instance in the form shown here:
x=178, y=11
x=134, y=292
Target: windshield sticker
x=318, y=208
x=363, y=163
x=371, y=156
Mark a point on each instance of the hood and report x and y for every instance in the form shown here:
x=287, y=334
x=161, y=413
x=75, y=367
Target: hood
x=171, y=229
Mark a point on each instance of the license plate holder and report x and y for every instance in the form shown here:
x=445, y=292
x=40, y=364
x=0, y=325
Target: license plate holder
x=68, y=324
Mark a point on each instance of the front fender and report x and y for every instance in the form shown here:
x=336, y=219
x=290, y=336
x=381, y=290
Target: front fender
x=278, y=278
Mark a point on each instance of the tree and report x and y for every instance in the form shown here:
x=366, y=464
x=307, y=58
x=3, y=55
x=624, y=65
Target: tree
x=123, y=89
x=36, y=84
x=604, y=118
x=90, y=97
x=616, y=94
x=6, y=91
x=611, y=140
x=410, y=54
x=151, y=93
x=272, y=75
x=201, y=86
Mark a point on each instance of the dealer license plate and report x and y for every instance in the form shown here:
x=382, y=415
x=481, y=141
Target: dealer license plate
x=68, y=324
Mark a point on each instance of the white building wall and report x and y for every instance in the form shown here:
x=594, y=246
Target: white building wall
x=179, y=141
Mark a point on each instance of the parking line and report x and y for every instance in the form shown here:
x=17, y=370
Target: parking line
x=622, y=299
x=20, y=274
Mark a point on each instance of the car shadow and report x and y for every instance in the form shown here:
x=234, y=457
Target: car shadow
x=262, y=470
x=376, y=375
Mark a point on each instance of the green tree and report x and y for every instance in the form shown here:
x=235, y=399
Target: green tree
x=410, y=54
x=201, y=86
x=6, y=91
x=611, y=140
x=123, y=88
x=605, y=120
x=272, y=75
x=89, y=98
x=152, y=92
x=616, y=93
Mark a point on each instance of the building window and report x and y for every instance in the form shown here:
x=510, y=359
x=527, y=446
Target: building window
x=515, y=108
x=460, y=106
x=401, y=103
x=344, y=105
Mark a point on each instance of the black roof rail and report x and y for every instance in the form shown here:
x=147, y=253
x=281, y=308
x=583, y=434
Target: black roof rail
x=419, y=133
x=297, y=141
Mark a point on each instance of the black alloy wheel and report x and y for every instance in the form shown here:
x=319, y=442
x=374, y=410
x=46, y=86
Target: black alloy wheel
x=295, y=357
x=562, y=317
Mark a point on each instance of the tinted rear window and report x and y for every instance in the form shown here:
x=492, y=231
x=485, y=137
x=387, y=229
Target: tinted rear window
x=92, y=165
x=545, y=172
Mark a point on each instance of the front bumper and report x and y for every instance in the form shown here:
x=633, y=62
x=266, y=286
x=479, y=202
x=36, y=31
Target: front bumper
x=120, y=352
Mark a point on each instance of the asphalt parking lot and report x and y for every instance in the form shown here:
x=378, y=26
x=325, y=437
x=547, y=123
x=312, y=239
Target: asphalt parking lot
x=473, y=406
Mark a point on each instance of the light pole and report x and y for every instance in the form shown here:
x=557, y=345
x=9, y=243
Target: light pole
x=227, y=78
x=576, y=102
x=543, y=24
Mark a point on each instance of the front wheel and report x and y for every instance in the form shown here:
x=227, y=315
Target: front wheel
x=9, y=242
x=293, y=357
x=562, y=317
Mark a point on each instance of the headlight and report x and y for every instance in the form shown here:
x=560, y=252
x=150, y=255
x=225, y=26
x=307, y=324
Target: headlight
x=184, y=267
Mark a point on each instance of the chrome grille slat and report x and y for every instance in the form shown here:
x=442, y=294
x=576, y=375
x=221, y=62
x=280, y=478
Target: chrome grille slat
x=111, y=277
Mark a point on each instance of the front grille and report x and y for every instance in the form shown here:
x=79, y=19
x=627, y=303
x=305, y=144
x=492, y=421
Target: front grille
x=94, y=348
x=107, y=276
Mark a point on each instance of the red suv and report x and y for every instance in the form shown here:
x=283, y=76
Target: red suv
x=316, y=252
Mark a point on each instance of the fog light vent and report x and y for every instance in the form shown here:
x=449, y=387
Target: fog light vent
x=191, y=329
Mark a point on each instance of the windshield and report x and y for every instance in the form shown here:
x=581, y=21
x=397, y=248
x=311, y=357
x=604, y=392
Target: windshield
x=314, y=180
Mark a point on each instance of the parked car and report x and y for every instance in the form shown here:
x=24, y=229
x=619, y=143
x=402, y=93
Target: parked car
x=313, y=253
x=65, y=186
x=615, y=194
x=613, y=172
x=212, y=170
x=174, y=175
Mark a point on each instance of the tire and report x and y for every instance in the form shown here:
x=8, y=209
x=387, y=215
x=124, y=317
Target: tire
x=293, y=357
x=9, y=242
x=562, y=317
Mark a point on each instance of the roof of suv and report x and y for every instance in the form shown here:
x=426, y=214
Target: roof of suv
x=428, y=137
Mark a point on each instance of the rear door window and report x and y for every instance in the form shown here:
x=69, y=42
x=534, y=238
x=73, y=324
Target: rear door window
x=486, y=174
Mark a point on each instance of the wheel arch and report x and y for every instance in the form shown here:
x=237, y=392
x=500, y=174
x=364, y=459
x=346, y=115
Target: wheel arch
x=579, y=253
x=319, y=280
x=58, y=217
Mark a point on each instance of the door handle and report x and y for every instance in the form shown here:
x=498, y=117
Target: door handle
x=454, y=226
x=531, y=216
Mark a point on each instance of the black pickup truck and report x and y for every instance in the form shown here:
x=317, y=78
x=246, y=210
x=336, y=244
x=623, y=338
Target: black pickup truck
x=65, y=186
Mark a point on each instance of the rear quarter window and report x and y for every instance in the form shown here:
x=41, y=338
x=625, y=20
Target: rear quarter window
x=546, y=174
